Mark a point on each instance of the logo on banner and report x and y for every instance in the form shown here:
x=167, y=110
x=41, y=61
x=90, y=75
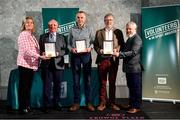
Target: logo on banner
x=162, y=87
x=63, y=89
x=162, y=30
x=63, y=93
x=161, y=80
x=64, y=28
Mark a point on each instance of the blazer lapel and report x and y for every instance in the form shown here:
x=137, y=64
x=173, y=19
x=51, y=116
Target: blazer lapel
x=114, y=39
x=103, y=34
x=57, y=40
x=35, y=41
x=46, y=38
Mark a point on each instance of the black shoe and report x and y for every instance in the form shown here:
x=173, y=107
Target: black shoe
x=58, y=108
x=45, y=110
x=74, y=107
x=23, y=111
x=26, y=111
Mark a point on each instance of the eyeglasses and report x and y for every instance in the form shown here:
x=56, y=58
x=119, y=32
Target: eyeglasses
x=108, y=20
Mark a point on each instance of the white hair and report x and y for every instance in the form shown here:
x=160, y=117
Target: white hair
x=131, y=23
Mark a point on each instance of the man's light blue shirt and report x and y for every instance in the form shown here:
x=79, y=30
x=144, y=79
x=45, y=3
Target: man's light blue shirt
x=84, y=33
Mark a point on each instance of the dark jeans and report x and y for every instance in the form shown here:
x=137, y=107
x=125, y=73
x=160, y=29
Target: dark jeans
x=25, y=84
x=134, y=83
x=52, y=85
x=76, y=61
x=107, y=68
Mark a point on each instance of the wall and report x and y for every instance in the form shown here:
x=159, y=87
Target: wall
x=12, y=13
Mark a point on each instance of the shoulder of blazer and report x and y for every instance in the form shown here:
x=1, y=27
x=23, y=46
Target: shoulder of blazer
x=44, y=35
x=100, y=30
x=61, y=36
x=136, y=37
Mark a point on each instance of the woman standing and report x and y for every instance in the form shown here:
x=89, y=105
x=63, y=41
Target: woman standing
x=27, y=61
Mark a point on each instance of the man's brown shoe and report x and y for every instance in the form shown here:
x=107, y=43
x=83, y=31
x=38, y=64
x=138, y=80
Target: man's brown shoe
x=114, y=107
x=133, y=110
x=74, y=107
x=101, y=107
x=90, y=107
x=125, y=106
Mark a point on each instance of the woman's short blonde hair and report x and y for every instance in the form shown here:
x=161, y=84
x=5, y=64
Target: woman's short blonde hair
x=24, y=21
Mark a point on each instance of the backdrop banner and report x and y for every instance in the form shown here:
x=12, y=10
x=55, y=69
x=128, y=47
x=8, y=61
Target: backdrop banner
x=64, y=16
x=161, y=53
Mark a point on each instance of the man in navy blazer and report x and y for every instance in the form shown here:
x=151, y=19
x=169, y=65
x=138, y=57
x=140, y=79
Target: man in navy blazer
x=53, y=68
x=131, y=56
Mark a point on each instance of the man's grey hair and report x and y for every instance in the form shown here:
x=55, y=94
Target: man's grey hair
x=132, y=24
x=107, y=15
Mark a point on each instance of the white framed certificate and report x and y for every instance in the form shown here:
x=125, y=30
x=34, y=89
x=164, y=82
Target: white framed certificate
x=80, y=46
x=50, y=50
x=108, y=47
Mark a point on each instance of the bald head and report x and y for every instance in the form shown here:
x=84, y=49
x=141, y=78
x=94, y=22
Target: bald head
x=53, y=25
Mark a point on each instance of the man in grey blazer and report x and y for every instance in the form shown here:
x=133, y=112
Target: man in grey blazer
x=53, y=68
x=131, y=55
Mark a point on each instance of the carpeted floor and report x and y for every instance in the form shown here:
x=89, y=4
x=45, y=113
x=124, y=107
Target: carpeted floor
x=150, y=110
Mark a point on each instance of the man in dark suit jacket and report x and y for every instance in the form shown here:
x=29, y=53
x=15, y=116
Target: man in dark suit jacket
x=108, y=64
x=53, y=68
x=131, y=55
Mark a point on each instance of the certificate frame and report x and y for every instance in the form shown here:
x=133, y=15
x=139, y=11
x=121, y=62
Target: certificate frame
x=80, y=45
x=108, y=47
x=50, y=50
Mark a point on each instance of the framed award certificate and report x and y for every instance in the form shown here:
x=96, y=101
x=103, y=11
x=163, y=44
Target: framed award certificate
x=108, y=47
x=50, y=50
x=80, y=46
